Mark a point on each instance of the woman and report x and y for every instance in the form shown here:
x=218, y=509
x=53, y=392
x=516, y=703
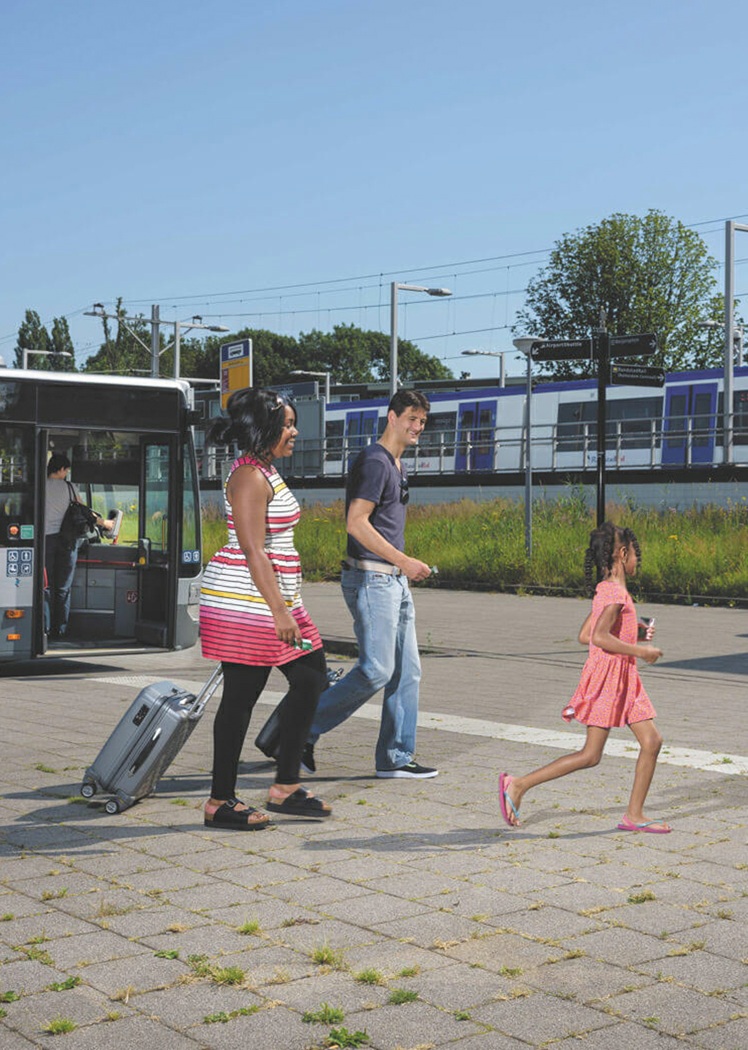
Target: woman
x=251, y=614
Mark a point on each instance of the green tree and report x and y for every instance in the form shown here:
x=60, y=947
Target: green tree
x=348, y=353
x=128, y=351
x=273, y=355
x=32, y=335
x=649, y=274
x=356, y=355
x=61, y=343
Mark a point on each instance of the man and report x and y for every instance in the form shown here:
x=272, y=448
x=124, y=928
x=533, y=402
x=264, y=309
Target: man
x=375, y=581
x=59, y=559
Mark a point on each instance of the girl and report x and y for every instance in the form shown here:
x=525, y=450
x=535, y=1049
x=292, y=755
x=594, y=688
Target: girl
x=610, y=692
x=252, y=617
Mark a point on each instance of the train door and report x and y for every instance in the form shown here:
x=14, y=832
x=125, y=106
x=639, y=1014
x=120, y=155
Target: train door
x=360, y=431
x=476, y=425
x=689, y=424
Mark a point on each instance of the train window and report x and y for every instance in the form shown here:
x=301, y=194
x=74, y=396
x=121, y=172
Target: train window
x=334, y=429
x=740, y=419
x=439, y=434
x=634, y=415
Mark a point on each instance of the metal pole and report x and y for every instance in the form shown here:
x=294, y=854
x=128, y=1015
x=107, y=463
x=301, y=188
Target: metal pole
x=502, y=370
x=177, y=349
x=251, y=363
x=729, y=337
x=25, y=361
x=155, y=312
x=601, y=350
x=327, y=388
x=393, y=339
x=528, y=456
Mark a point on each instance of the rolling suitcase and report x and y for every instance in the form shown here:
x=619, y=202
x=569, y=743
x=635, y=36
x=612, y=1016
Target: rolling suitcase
x=268, y=738
x=146, y=741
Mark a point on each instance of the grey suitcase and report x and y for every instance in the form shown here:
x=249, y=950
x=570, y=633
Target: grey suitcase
x=146, y=741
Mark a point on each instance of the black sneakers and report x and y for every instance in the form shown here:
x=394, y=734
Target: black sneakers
x=308, y=765
x=412, y=772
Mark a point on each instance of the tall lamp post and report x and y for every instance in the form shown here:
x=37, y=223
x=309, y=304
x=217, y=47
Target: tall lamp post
x=524, y=345
x=394, y=289
x=490, y=353
x=187, y=326
x=316, y=375
x=48, y=353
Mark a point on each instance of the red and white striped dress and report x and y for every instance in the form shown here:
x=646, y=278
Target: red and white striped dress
x=236, y=624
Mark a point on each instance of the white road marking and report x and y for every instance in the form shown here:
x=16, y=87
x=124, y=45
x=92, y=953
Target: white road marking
x=570, y=740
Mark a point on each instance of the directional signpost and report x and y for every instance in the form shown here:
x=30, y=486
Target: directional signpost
x=637, y=375
x=601, y=348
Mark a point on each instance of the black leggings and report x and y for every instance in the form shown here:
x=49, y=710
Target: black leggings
x=242, y=685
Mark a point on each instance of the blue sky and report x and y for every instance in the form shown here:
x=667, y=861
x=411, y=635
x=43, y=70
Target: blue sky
x=277, y=164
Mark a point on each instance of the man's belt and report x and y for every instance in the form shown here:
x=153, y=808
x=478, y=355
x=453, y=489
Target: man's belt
x=367, y=565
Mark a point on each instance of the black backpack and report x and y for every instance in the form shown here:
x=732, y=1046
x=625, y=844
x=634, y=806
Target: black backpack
x=78, y=524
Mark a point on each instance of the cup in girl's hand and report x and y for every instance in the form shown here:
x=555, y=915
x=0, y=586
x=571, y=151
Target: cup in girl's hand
x=645, y=628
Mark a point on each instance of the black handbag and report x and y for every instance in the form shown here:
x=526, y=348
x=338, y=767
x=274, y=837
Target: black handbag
x=268, y=739
x=78, y=524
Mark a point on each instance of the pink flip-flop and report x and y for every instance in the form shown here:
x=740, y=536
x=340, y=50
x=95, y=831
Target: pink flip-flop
x=628, y=825
x=504, y=782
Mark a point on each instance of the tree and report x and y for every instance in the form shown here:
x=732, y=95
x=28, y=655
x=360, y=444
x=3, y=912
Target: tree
x=128, y=352
x=32, y=335
x=61, y=343
x=648, y=274
x=348, y=353
x=355, y=355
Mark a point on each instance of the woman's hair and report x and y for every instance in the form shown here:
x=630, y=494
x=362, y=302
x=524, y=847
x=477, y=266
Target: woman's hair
x=56, y=462
x=255, y=421
x=604, y=542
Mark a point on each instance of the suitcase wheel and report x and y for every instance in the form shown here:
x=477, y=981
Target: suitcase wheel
x=88, y=790
x=112, y=806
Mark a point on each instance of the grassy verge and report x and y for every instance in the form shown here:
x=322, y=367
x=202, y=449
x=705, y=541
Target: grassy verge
x=686, y=555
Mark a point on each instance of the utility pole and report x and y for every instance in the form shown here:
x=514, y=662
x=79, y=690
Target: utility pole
x=155, y=322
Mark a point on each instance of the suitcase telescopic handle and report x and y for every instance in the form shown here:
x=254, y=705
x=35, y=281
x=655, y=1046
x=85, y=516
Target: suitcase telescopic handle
x=206, y=692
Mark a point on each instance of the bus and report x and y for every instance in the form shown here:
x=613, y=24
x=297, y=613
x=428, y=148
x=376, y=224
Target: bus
x=132, y=457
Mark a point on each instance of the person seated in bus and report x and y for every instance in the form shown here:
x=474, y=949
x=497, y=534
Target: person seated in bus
x=59, y=559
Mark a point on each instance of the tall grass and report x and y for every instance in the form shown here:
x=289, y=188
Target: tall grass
x=686, y=555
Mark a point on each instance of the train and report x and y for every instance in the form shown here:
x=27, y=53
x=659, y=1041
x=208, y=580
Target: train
x=478, y=431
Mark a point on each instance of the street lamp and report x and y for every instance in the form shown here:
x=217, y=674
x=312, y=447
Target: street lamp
x=738, y=331
x=490, y=353
x=196, y=322
x=49, y=353
x=317, y=375
x=524, y=345
x=394, y=288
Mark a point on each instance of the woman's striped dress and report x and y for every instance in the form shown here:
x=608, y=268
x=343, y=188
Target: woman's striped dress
x=236, y=624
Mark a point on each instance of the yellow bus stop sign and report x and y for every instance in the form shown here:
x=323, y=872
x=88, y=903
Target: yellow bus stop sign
x=236, y=368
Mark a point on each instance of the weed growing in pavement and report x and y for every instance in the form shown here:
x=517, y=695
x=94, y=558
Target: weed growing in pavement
x=398, y=996
x=325, y=1015
x=324, y=955
x=340, y=1038
x=249, y=927
x=223, y=1018
x=9, y=997
x=65, y=986
x=59, y=1026
x=641, y=898
x=369, y=977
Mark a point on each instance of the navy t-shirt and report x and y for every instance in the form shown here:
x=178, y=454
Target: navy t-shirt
x=375, y=477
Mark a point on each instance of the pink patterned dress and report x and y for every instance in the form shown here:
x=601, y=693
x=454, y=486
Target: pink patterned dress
x=236, y=624
x=610, y=692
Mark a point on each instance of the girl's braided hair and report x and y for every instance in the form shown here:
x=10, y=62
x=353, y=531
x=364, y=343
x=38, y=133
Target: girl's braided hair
x=604, y=542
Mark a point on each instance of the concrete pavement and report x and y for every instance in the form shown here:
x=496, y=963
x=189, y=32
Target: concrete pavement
x=414, y=915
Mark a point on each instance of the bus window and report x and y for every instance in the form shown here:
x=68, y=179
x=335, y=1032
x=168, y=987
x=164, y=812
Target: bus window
x=156, y=497
x=16, y=490
x=191, y=559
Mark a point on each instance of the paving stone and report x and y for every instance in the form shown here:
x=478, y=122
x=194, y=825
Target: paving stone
x=141, y=973
x=50, y=924
x=131, y=1031
x=624, y=1035
x=373, y=909
x=538, y=1018
x=730, y=1036
x=671, y=1009
x=337, y=989
x=500, y=951
x=619, y=946
x=701, y=970
x=187, y=1005
x=431, y=929
x=410, y=1024
x=82, y=1005
x=584, y=980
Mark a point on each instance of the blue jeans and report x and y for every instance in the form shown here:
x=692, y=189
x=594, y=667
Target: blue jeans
x=60, y=565
x=385, y=626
